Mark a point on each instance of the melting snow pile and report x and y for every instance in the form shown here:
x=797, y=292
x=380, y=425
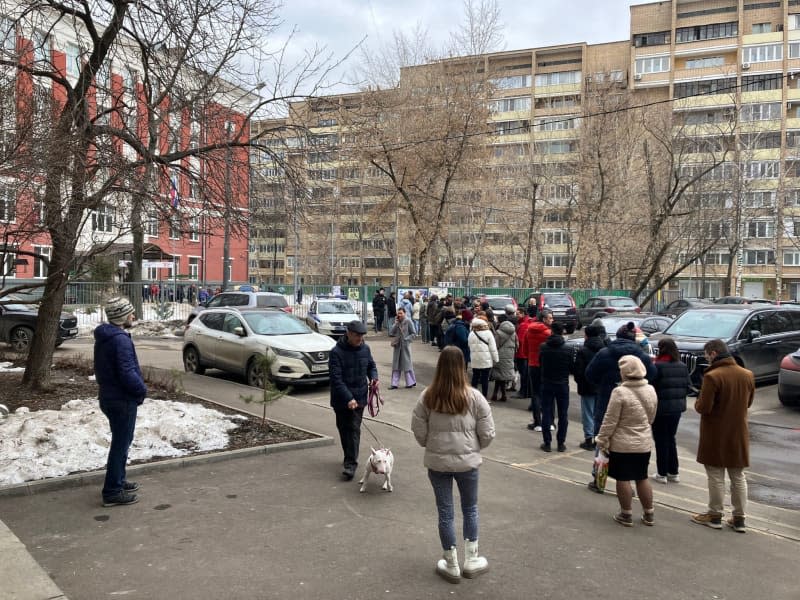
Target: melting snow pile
x=52, y=443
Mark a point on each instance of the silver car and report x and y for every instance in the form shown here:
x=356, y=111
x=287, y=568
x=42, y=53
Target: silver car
x=233, y=339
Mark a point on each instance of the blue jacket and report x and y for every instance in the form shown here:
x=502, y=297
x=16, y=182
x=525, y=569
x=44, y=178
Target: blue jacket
x=350, y=368
x=603, y=371
x=116, y=366
x=457, y=334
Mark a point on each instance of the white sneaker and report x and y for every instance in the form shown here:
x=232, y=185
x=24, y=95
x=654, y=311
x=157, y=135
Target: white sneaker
x=537, y=428
x=659, y=478
x=673, y=478
x=552, y=427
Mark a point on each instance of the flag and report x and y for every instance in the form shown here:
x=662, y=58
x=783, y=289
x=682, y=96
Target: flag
x=174, y=197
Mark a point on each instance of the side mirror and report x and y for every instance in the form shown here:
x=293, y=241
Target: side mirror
x=239, y=331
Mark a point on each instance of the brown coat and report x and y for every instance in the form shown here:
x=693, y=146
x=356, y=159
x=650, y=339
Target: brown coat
x=725, y=396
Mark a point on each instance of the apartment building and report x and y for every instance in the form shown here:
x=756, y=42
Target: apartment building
x=726, y=71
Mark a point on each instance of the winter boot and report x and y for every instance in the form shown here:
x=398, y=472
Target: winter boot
x=474, y=565
x=447, y=568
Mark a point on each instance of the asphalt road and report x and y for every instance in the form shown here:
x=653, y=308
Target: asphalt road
x=774, y=429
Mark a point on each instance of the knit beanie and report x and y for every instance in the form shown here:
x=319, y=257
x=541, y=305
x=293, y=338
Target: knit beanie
x=118, y=309
x=466, y=315
x=630, y=367
x=627, y=331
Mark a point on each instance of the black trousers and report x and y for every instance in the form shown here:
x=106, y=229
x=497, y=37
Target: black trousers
x=535, y=391
x=348, y=422
x=664, y=429
x=522, y=369
x=378, y=320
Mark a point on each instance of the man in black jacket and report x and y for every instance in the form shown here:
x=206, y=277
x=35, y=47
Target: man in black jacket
x=592, y=344
x=555, y=360
x=378, y=309
x=352, y=370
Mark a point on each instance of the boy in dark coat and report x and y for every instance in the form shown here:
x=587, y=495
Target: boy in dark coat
x=555, y=361
x=592, y=344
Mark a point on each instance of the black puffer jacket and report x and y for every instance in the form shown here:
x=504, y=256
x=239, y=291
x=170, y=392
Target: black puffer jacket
x=555, y=360
x=584, y=356
x=350, y=367
x=672, y=384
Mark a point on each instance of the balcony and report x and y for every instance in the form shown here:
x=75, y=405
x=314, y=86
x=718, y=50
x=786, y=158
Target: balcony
x=557, y=90
x=651, y=79
x=726, y=70
x=762, y=38
x=718, y=45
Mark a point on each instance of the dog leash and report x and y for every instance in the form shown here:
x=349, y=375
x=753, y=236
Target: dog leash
x=374, y=399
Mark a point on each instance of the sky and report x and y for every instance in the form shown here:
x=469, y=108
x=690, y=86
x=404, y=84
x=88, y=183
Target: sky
x=340, y=25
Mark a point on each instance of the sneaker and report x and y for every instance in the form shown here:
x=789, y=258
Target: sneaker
x=348, y=473
x=546, y=447
x=552, y=427
x=586, y=444
x=121, y=499
x=708, y=519
x=562, y=447
x=532, y=426
x=129, y=486
x=624, y=519
x=592, y=485
x=649, y=519
x=673, y=478
x=737, y=524
x=659, y=478
x=537, y=428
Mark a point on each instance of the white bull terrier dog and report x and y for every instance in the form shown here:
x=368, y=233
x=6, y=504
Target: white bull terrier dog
x=380, y=462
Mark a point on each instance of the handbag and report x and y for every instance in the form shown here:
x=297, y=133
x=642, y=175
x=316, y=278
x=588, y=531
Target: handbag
x=601, y=470
x=395, y=342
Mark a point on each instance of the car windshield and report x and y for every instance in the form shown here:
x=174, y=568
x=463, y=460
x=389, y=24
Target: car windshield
x=275, y=323
x=620, y=302
x=334, y=308
x=554, y=300
x=614, y=323
x=271, y=301
x=708, y=324
x=498, y=303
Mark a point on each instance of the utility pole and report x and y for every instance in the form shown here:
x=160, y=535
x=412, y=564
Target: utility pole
x=226, y=242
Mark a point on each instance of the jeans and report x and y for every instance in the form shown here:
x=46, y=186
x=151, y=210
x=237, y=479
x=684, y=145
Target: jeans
x=535, y=392
x=481, y=376
x=521, y=365
x=467, y=483
x=348, y=422
x=587, y=416
x=121, y=416
x=555, y=394
x=716, y=489
x=664, y=429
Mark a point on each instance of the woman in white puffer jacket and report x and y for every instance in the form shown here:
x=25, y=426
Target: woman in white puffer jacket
x=483, y=353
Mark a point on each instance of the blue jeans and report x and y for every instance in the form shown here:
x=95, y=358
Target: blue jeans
x=121, y=416
x=555, y=395
x=587, y=415
x=467, y=483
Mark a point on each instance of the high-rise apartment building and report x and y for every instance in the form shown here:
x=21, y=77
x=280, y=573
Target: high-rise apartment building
x=713, y=89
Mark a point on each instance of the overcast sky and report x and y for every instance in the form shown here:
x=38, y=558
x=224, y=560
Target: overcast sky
x=340, y=25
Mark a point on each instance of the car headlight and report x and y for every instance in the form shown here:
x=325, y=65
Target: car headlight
x=288, y=353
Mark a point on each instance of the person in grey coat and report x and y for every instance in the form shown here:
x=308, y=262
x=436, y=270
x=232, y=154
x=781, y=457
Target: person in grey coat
x=402, y=333
x=503, y=371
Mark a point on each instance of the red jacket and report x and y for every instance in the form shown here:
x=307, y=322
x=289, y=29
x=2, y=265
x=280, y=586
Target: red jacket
x=522, y=328
x=536, y=335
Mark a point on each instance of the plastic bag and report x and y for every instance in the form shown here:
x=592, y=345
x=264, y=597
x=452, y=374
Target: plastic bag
x=601, y=470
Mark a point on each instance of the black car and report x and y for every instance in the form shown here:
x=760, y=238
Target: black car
x=18, y=324
x=758, y=336
x=676, y=307
x=561, y=303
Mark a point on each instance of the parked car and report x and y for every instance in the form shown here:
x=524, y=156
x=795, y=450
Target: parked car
x=676, y=307
x=331, y=316
x=232, y=339
x=18, y=324
x=741, y=300
x=758, y=336
x=649, y=324
x=562, y=305
x=789, y=380
x=499, y=303
x=602, y=305
x=242, y=299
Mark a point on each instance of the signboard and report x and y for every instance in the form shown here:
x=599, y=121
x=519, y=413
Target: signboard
x=352, y=294
x=157, y=264
x=440, y=292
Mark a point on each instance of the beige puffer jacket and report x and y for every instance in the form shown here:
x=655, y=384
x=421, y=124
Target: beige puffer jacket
x=453, y=443
x=631, y=410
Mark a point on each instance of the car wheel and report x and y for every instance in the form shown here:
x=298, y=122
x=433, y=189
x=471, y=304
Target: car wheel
x=191, y=361
x=21, y=338
x=255, y=373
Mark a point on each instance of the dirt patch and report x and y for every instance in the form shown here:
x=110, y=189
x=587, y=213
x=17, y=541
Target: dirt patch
x=70, y=381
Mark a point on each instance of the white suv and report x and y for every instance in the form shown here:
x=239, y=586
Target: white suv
x=331, y=316
x=242, y=299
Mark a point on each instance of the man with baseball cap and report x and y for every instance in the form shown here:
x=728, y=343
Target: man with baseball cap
x=352, y=370
x=122, y=390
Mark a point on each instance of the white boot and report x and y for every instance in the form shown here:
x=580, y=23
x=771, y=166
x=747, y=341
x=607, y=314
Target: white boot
x=474, y=565
x=448, y=566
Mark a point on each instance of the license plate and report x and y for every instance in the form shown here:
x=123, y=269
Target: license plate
x=319, y=368
x=73, y=332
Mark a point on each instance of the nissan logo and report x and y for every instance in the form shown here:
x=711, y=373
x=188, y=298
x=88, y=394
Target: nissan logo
x=321, y=355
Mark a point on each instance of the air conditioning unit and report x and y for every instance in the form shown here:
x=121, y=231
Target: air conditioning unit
x=637, y=77
x=745, y=66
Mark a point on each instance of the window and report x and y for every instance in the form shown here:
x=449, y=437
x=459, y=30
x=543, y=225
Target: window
x=510, y=104
x=760, y=229
x=512, y=82
x=759, y=257
x=754, y=54
x=654, y=64
x=511, y=127
x=706, y=32
x=791, y=259
x=73, y=53
x=760, y=112
x=705, y=87
x=764, y=140
x=556, y=124
x=651, y=39
x=616, y=75
x=556, y=147
x=558, y=78
x=194, y=267
x=326, y=122
x=194, y=228
x=762, y=27
x=555, y=260
x=40, y=267
x=791, y=227
x=9, y=34
x=761, y=169
x=794, y=21
x=8, y=204
x=7, y=263
x=760, y=83
x=556, y=237
x=554, y=284
x=792, y=197
x=558, y=102
x=175, y=227
x=759, y=199
x=41, y=47
x=103, y=219
x=151, y=224
x=701, y=63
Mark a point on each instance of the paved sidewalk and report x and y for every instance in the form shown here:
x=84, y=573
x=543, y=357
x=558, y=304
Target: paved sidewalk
x=284, y=525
